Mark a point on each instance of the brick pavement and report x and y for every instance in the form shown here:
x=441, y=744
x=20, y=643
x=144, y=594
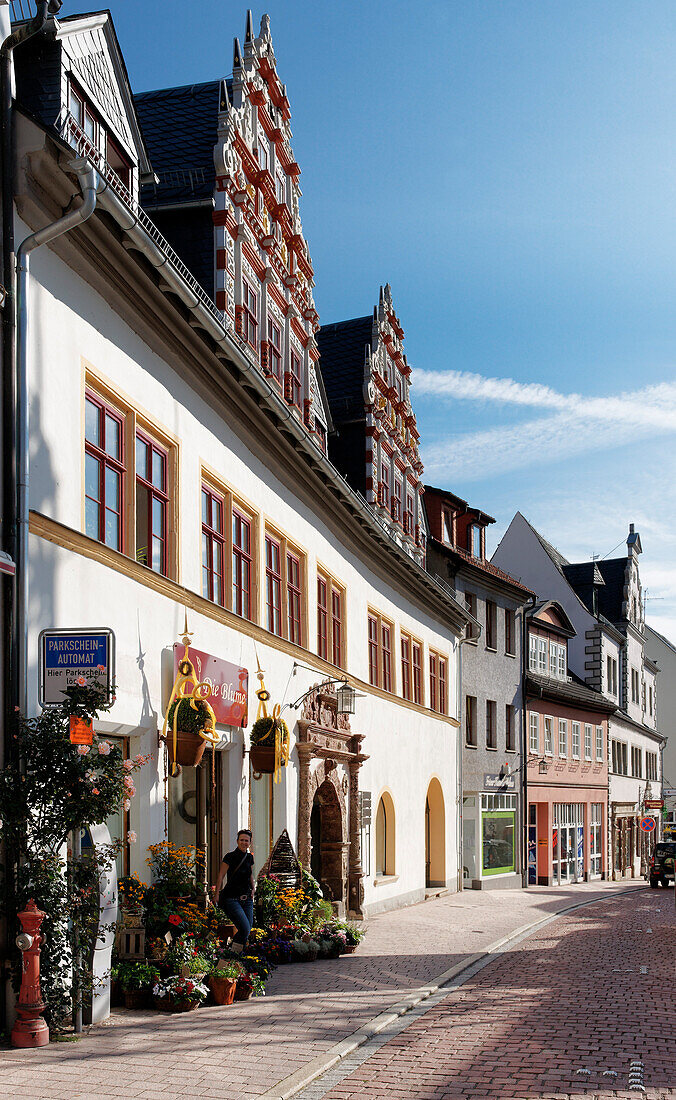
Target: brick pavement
x=245, y=1049
x=582, y=1008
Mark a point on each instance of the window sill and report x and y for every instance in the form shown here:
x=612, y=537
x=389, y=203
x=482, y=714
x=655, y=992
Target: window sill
x=509, y=750
x=469, y=746
x=508, y=654
x=491, y=748
x=491, y=649
x=385, y=880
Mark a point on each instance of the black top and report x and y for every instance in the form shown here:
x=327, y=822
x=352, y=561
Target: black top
x=240, y=868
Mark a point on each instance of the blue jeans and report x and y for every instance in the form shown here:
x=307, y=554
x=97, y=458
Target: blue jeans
x=241, y=915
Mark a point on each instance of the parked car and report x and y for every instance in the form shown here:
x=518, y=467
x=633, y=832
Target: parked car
x=662, y=863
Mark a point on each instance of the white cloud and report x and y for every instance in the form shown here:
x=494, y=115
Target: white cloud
x=653, y=406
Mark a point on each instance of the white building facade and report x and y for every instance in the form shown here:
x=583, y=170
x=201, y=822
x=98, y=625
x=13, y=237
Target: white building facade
x=170, y=474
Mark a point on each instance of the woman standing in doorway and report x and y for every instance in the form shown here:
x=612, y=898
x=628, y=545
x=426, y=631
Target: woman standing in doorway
x=236, y=897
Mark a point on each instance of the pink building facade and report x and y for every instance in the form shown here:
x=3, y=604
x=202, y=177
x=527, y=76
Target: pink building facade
x=567, y=765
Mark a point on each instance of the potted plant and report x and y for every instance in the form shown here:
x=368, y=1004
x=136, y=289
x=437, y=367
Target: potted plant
x=262, y=751
x=353, y=937
x=192, y=716
x=223, y=980
x=176, y=994
x=244, y=987
x=136, y=979
x=186, y=957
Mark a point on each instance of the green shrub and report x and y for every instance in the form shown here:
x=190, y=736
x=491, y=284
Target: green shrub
x=191, y=719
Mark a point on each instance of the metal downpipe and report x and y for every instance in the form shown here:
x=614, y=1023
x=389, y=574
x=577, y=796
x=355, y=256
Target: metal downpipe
x=88, y=183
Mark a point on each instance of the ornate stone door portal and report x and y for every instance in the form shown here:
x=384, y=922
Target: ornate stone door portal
x=329, y=757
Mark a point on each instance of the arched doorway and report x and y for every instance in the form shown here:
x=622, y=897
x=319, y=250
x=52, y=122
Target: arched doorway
x=435, y=836
x=326, y=840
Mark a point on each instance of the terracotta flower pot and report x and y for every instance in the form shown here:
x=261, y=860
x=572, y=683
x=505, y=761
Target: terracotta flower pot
x=262, y=758
x=223, y=989
x=189, y=748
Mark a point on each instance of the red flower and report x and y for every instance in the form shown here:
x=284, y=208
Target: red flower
x=175, y=919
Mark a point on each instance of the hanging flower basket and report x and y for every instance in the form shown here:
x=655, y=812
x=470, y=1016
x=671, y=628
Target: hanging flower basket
x=190, y=721
x=262, y=759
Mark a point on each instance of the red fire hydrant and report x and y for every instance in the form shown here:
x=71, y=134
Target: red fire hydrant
x=30, y=1029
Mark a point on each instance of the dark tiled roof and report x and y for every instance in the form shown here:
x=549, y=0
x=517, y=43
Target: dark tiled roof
x=611, y=596
x=341, y=347
x=464, y=558
x=180, y=128
x=584, y=573
x=576, y=693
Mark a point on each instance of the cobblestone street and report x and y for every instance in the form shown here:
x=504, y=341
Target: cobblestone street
x=583, y=1008
x=564, y=989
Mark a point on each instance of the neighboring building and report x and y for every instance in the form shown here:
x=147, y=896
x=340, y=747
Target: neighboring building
x=663, y=654
x=375, y=444
x=178, y=460
x=567, y=771
x=602, y=599
x=492, y=708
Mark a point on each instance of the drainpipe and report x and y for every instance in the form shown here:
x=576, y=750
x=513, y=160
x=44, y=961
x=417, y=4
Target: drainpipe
x=524, y=742
x=88, y=181
x=459, y=748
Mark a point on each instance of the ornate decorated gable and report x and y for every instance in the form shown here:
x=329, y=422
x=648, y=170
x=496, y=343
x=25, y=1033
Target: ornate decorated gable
x=393, y=467
x=264, y=276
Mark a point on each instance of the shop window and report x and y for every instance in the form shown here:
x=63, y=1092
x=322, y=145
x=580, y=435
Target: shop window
x=491, y=724
x=330, y=620
x=213, y=546
x=595, y=838
x=385, y=836
x=470, y=720
x=104, y=472
x=152, y=502
x=498, y=839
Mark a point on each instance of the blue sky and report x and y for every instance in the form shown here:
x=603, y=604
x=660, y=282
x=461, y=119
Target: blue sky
x=509, y=166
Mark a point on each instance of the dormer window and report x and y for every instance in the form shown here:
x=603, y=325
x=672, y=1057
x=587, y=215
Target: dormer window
x=97, y=138
x=83, y=115
x=447, y=528
x=474, y=540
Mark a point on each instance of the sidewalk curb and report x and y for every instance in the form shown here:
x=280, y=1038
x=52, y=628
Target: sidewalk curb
x=292, y=1084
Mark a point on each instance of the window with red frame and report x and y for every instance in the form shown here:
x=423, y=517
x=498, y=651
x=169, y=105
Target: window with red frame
x=417, y=672
x=373, y=651
x=443, y=697
x=337, y=626
x=293, y=598
x=213, y=546
x=152, y=504
x=408, y=515
x=322, y=618
x=241, y=564
x=275, y=349
x=273, y=585
x=405, y=667
x=386, y=632
x=295, y=381
x=397, y=501
x=385, y=485
x=249, y=314
x=434, y=682
x=104, y=472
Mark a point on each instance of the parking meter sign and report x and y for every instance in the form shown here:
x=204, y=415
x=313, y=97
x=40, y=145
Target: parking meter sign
x=75, y=658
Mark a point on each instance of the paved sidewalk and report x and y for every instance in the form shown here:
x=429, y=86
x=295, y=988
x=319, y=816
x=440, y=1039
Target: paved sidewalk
x=581, y=1009
x=242, y=1051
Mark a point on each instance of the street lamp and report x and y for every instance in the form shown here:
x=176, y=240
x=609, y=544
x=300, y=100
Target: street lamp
x=345, y=698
